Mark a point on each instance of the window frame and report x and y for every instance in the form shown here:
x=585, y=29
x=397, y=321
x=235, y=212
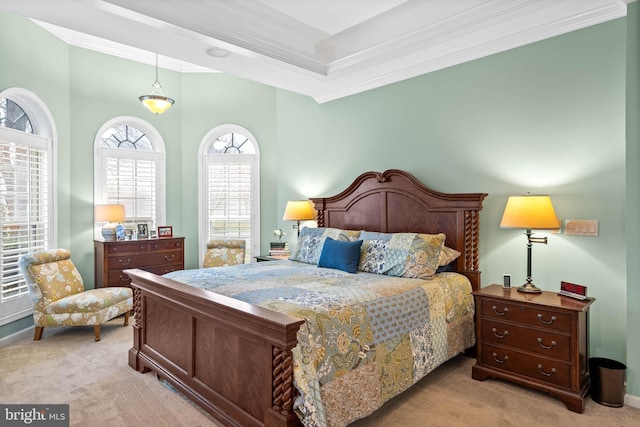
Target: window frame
x=45, y=131
x=101, y=154
x=203, y=161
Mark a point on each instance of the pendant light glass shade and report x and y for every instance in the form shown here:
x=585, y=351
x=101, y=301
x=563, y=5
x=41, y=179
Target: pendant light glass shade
x=156, y=102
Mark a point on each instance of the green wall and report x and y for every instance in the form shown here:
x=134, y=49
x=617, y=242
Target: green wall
x=547, y=117
x=633, y=197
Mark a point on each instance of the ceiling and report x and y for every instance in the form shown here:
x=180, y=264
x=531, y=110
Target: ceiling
x=326, y=49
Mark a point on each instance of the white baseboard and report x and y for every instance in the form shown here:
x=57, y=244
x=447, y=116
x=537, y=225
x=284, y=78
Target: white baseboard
x=17, y=336
x=633, y=401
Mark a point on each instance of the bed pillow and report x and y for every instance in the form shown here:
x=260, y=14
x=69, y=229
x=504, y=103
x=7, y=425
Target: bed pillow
x=447, y=256
x=401, y=254
x=310, y=242
x=340, y=255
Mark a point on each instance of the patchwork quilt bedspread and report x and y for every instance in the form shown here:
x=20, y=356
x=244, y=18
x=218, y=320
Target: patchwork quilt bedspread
x=366, y=337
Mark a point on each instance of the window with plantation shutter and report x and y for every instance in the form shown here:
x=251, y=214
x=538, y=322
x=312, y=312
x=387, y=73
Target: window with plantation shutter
x=25, y=204
x=229, y=194
x=129, y=170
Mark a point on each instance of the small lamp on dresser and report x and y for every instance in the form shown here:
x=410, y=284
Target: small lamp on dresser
x=111, y=215
x=530, y=211
x=298, y=210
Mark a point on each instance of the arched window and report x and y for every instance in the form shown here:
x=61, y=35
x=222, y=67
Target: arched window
x=229, y=192
x=27, y=202
x=129, y=169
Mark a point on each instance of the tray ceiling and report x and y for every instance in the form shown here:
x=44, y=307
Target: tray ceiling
x=326, y=49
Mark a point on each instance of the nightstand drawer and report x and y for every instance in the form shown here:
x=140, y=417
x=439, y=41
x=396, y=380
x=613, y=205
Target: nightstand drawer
x=530, y=315
x=546, y=344
x=542, y=369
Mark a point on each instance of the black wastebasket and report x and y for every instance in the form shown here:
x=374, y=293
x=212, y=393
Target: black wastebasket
x=607, y=381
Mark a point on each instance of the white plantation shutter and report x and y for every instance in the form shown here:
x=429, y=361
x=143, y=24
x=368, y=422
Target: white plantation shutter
x=129, y=169
x=230, y=204
x=24, y=212
x=229, y=192
x=132, y=182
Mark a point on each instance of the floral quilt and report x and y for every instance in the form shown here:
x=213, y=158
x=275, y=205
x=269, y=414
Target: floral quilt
x=366, y=337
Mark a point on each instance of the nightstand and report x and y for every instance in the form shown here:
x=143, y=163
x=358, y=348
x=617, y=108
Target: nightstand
x=160, y=255
x=539, y=341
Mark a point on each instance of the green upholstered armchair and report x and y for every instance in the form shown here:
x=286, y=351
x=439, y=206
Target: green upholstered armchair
x=224, y=252
x=59, y=298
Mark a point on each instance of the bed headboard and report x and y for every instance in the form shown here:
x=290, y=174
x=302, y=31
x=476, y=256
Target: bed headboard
x=394, y=201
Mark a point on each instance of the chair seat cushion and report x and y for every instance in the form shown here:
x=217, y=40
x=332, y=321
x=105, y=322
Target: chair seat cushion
x=89, y=301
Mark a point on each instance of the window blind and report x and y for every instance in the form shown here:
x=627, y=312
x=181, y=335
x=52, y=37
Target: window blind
x=229, y=204
x=24, y=211
x=132, y=182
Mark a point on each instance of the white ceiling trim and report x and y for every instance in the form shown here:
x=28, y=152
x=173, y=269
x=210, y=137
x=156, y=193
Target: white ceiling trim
x=294, y=45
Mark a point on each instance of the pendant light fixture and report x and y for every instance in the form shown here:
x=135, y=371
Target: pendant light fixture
x=157, y=103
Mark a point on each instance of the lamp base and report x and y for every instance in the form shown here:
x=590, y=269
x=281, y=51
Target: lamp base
x=109, y=232
x=529, y=288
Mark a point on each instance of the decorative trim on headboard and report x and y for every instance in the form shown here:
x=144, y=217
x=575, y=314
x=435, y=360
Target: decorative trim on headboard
x=395, y=201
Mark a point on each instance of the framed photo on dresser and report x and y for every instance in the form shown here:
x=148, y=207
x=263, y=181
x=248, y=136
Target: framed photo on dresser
x=143, y=231
x=165, y=231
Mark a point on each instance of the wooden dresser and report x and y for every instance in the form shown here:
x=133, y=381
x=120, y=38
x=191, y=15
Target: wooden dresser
x=536, y=340
x=159, y=256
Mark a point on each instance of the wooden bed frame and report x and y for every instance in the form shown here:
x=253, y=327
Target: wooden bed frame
x=234, y=359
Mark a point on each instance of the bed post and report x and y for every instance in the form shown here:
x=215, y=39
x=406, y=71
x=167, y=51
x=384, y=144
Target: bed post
x=284, y=392
x=138, y=326
x=471, y=247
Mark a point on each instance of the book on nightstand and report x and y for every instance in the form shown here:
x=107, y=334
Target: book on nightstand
x=279, y=249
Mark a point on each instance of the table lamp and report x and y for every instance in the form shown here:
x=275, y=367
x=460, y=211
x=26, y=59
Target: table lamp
x=529, y=212
x=110, y=215
x=298, y=210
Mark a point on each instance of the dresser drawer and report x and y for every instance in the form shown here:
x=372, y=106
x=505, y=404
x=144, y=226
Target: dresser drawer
x=119, y=278
x=138, y=261
x=161, y=244
x=531, y=315
x=128, y=247
x=546, y=344
x=549, y=371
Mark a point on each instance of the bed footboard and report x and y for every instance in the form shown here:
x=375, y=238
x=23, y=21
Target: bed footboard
x=232, y=358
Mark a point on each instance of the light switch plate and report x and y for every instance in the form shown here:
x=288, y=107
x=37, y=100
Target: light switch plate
x=581, y=227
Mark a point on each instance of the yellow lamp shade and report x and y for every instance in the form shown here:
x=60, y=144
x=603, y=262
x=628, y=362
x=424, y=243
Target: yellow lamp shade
x=298, y=210
x=531, y=211
x=109, y=213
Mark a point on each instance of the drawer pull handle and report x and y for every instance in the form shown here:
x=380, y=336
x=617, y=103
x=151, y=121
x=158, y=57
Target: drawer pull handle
x=553, y=371
x=170, y=257
x=500, y=313
x=127, y=262
x=124, y=278
x=142, y=248
x=495, y=357
x=553, y=344
x=495, y=332
x=553, y=319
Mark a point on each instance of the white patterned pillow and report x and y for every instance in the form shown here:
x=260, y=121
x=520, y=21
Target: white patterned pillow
x=311, y=241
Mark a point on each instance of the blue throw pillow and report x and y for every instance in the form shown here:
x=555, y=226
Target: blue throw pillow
x=341, y=255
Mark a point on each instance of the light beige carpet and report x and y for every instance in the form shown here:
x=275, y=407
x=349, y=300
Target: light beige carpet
x=68, y=366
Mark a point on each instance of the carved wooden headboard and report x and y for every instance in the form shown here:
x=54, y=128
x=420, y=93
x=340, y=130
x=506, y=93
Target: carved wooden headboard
x=394, y=201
